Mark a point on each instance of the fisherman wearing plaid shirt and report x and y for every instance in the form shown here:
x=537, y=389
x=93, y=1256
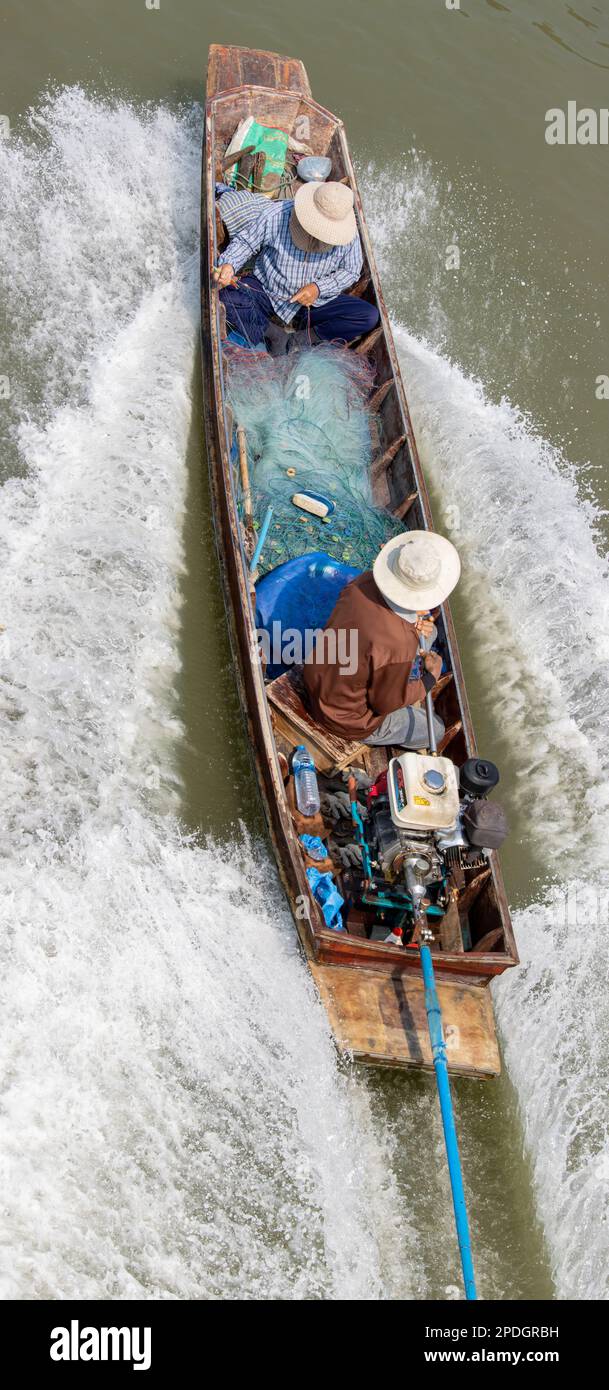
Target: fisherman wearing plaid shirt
x=307, y=253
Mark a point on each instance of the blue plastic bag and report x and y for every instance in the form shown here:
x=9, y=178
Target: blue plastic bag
x=327, y=895
x=314, y=846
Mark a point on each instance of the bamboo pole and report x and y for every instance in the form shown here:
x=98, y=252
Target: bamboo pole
x=245, y=477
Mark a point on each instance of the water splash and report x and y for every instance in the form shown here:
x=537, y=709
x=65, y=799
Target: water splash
x=536, y=593
x=553, y=1021
x=173, y=1123
x=538, y=586
x=173, y=1120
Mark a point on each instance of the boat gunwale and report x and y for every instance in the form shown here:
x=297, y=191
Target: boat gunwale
x=316, y=939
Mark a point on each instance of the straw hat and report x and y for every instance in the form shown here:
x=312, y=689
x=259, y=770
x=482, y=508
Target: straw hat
x=325, y=210
x=417, y=570
x=302, y=240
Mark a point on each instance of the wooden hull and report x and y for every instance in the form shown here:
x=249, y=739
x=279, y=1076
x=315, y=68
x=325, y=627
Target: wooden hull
x=380, y=1020
x=241, y=81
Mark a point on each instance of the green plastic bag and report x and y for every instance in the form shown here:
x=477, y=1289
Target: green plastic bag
x=274, y=144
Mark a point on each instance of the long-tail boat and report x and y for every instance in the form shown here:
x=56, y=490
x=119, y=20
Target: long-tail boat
x=372, y=991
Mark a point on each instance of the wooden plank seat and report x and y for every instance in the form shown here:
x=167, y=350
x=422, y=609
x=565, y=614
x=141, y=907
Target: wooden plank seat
x=291, y=718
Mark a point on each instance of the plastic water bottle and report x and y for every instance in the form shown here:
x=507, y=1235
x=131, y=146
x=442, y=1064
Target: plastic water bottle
x=305, y=782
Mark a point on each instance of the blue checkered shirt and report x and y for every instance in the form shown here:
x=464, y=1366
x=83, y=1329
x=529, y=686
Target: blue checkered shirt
x=238, y=207
x=282, y=269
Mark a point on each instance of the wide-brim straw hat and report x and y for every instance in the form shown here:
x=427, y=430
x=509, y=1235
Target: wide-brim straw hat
x=417, y=570
x=325, y=210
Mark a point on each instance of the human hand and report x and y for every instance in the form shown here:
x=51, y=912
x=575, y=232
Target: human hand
x=224, y=275
x=425, y=627
x=307, y=295
x=432, y=661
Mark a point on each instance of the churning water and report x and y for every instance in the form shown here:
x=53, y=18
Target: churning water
x=173, y=1120
x=174, y=1123
x=537, y=595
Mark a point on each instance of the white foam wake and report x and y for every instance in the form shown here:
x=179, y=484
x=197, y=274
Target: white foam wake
x=173, y=1121
x=536, y=596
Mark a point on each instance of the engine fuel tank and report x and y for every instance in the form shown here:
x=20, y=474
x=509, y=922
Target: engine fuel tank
x=423, y=792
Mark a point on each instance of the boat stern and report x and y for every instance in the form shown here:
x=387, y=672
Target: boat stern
x=379, y=1019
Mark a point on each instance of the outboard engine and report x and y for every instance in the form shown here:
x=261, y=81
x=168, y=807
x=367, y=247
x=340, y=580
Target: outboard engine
x=427, y=829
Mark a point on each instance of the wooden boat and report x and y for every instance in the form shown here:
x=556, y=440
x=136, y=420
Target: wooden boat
x=372, y=992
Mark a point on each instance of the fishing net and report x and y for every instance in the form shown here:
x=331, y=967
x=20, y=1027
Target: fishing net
x=307, y=427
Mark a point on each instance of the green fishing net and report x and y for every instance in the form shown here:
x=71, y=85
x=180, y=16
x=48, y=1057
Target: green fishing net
x=307, y=427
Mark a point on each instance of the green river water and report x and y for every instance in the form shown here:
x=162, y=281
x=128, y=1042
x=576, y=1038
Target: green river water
x=238, y=1159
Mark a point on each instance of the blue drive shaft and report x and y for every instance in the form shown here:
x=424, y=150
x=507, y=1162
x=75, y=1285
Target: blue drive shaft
x=438, y=1048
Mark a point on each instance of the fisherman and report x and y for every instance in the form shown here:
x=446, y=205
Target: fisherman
x=387, y=611
x=308, y=253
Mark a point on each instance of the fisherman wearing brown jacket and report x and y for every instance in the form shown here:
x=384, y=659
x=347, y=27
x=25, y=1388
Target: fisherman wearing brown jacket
x=386, y=614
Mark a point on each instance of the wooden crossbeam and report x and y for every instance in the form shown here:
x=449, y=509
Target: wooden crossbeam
x=381, y=463
x=487, y=943
x=468, y=897
x=442, y=683
x=379, y=395
x=403, y=508
x=368, y=342
x=449, y=735
x=361, y=285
